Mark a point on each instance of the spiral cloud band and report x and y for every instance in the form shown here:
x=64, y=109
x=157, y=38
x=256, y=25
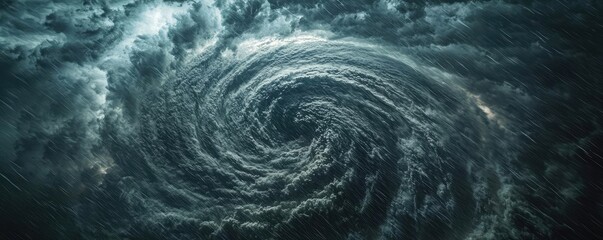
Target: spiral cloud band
x=300, y=120
x=306, y=131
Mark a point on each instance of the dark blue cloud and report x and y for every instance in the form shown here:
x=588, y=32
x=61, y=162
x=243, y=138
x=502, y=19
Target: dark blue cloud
x=104, y=134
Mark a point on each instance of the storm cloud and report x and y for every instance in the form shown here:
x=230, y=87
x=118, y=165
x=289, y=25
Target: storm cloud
x=274, y=119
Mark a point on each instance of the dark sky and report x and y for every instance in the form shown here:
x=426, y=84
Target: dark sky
x=133, y=119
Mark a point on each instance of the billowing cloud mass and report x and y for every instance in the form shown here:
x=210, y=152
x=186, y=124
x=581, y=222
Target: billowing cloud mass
x=318, y=119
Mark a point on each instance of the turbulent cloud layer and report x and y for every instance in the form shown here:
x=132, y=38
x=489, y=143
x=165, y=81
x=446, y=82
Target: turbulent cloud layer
x=301, y=119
